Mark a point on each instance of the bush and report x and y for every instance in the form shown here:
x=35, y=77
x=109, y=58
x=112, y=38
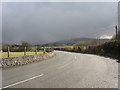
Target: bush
x=111, y=49
x=118, y=35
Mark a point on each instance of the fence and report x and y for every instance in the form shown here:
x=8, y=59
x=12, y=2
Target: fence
x=21, y=51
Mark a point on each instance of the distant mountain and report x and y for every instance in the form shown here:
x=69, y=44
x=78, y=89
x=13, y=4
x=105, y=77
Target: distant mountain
x=62, y=42
x=70, y=42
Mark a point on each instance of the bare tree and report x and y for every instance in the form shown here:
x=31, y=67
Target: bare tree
x=23, y=45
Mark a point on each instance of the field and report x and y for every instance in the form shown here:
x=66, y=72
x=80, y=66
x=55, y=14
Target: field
x=15, y=54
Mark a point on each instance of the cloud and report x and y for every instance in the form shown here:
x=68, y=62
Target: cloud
x=105, y=37
x=34, y=22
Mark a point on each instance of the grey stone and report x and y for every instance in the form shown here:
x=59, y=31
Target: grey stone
x=23, y=60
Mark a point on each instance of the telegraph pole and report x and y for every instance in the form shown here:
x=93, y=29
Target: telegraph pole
x=116, y=32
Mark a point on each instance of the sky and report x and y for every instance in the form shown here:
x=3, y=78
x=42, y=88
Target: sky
x=38, y=22
x=119, y=14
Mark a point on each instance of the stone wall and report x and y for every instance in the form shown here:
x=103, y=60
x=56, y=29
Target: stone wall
x=23, y=60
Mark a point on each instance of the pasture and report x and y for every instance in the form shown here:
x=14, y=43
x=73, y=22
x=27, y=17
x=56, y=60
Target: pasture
x=16, y=54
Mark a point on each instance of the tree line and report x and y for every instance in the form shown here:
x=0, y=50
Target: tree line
x=19, y=48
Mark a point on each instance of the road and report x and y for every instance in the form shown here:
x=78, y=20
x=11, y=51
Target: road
x=65, y=70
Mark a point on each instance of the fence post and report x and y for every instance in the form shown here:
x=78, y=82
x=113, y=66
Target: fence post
x=8, y=49
x=24, y=50
x=116, y=32
x=36, y=50
x=44, y=50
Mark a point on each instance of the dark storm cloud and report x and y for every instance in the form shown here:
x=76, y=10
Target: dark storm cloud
x=119, y=14
x=0, y=23
x=34, y=22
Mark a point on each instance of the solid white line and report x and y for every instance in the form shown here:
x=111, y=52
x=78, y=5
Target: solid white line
x=23, y=81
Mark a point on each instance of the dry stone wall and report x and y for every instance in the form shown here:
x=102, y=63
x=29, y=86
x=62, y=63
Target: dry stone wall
x=23, y=60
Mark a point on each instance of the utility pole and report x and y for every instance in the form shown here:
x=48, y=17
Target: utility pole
x=116, y=32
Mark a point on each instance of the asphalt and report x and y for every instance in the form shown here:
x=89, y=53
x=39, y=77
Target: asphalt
x=65, y=70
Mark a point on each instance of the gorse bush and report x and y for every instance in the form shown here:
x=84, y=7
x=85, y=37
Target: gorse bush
x=112, y=46
x=94, y=49
x=111, y=49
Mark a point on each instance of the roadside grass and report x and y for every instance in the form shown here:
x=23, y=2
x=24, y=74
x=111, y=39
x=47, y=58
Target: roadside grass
x=16, y=54
x=63, y=47
x=83, y=47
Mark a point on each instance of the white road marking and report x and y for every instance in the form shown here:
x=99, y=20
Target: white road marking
x=23, y=81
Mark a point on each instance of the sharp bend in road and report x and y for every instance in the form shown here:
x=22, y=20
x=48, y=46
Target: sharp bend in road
x=65, y=70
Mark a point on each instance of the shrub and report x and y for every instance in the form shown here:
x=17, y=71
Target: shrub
x=111, y=49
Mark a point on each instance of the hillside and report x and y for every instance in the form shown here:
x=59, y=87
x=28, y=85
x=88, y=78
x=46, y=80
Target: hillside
x=71, y=42
x=91, y=42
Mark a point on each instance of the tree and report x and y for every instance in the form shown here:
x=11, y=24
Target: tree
x=23, y=45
